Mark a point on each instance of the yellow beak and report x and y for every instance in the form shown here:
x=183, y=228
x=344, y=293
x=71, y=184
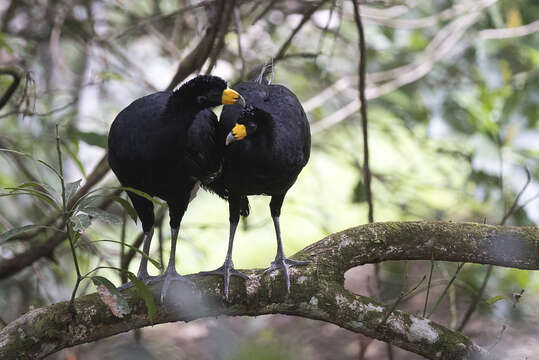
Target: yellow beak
x=231, y=97
x=239, y=132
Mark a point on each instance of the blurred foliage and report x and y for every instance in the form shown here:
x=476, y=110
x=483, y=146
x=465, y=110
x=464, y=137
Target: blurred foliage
x=452, y=144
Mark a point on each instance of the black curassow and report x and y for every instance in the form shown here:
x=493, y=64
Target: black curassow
x=265, y=147
x=163, y=144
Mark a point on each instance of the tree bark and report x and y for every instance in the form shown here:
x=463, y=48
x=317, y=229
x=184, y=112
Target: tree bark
x=317, y=291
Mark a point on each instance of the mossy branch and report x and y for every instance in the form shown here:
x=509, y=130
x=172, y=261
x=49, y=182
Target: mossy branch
x=317, y=291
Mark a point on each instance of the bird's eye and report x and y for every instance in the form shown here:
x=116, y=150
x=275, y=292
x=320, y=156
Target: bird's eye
x=201, y=99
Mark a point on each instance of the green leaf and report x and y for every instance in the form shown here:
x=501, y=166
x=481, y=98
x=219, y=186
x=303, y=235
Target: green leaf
x=92, y=138
x=51, y=168
x=71, y=189
x=107, y=75
x=49, y=189
x=17, y=153
x=146, y=295
x=80, y=222
x=102, y=215
x=92, y=201
x=16, y=231
x=75, y=236
x=110, y=295
x=127, y=207
x=154, y=262
x=36, y=193
x=495, y=299
x=31, y=157
x=141, y=194
x=28, y=184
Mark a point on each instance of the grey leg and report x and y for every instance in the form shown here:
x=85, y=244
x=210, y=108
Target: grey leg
x=227, y=269
x=170, y=274
x=143, y=267
x=281, y=261
x=142, y=273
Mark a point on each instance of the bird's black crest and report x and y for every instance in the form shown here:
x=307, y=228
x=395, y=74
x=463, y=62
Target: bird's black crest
x=251, y=113
x=248, y=112
x=201, y=84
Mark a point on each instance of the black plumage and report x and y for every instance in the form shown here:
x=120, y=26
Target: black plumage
x=265, y=147
x=163, y=144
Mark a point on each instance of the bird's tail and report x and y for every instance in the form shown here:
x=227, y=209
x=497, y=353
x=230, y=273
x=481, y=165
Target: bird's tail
x=262, y=78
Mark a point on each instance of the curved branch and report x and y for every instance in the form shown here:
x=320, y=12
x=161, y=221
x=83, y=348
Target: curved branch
x=16, y=75
x=318, y=291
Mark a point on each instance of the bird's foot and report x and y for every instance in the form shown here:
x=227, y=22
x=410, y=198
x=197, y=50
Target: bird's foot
x=282, y=262
x=227, y=270
x=168, y=277
x=145, y=278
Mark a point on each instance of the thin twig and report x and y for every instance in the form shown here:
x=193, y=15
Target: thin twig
x=264, y=11
x=525, y=203
x=507, y=215
x=428, y=287
x=500, y=161
x=306, y=17
x=326, y=26
x=123, y=274
x=475, y=301
x=32, y=113
x=513, y=207
x=159, y=17
x=66, y=219
x=364, y=123
x=399, y=299
x=498, y=338
x=459, y=267
x=363, y=101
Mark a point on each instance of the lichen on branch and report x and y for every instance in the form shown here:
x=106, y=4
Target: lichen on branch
x=317, y=291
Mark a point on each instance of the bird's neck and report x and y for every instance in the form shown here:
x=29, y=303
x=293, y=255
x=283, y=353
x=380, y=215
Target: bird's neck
x=182, y=105
x=265, y=135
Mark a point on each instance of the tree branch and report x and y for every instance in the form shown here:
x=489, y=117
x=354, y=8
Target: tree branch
x=16, y=74
x=196, y=58
x=318, y=291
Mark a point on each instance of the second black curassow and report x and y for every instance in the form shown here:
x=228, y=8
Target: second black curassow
x=163, y=144
x=266, y=145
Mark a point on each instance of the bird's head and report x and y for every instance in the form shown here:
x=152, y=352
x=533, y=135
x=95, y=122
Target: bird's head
x=250, y=119
x=208, y=91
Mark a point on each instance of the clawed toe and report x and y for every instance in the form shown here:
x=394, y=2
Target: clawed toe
x=226, y=270
x=168, y=277
x=284, y=264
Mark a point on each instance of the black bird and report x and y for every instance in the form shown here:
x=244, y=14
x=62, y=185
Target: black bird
x=266, y=145
x=163, y=144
